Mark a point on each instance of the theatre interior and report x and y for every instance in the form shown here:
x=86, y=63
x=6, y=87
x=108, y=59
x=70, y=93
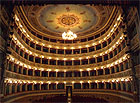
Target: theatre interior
x=69, y=51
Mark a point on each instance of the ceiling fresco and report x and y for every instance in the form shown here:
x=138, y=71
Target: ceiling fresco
x=59, y=18
x=53, y=20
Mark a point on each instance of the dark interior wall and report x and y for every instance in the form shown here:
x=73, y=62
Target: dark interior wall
x=5, y=19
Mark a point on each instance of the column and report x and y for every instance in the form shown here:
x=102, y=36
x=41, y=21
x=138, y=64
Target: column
x=111, y=37
x=5, y=86
x=89, y=85
x=131, y=82
x=15, y=88
x=88, y=72
x=40, y=73
x=10, y=88
x=12, y=67
x=48, y=61
x=23, y=53
x=80, y=62
x=40, y=86
x=72, y=85
x=108, y=56
x=72, y=62
x=81, y=85
x=48, y=86
x=107, y=42
x=95, y=59
x=41, y=60
x=27, y=56
x=34, y=59
x=126, y=84
x=19, y=51
x=64, y=74
x=87, y=50
x=102, y=58
x=124, y=67
x=129, y=63
x=15, y=47
x=22, y=70
x=64, y=85
x=7, y=68
x=33, y=86
x=56, y=86
x=115, y=69
x=72, y=51
x=72, y=73
x=101, y=45
x=48, y=73
x=119, y=67
x=33, y=72
x=35, y=46
x=111, y=85
x=20, y=87
x=121, y=85
x=96, y=72
x=80, y=50
x=56, y=62
x=56, y=51
x=26, y=87
x=42, y=48
x=103, y=71
x=110, y=70
x=56, y=73
x=81, y=74
x=27, y=71
x=105, y=86
x=97, y=85
x=88, y=60
x=116, y=85
x=17, y=68
x=95, y=47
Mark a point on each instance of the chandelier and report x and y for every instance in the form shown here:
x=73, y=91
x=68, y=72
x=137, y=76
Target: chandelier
x=69, y=35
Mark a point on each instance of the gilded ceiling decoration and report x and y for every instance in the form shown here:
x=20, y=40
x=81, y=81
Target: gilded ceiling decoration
x=68, y=20
x=62, y=17
x=53, y=20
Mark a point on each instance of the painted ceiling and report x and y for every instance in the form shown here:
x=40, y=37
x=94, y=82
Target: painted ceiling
x=53, y=20
x=62, y=17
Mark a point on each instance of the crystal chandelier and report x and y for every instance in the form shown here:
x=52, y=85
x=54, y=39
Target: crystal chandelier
x=69, y=35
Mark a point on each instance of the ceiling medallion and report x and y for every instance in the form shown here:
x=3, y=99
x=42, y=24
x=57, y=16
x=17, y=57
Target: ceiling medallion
x=68, y=20
x=69, y=35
